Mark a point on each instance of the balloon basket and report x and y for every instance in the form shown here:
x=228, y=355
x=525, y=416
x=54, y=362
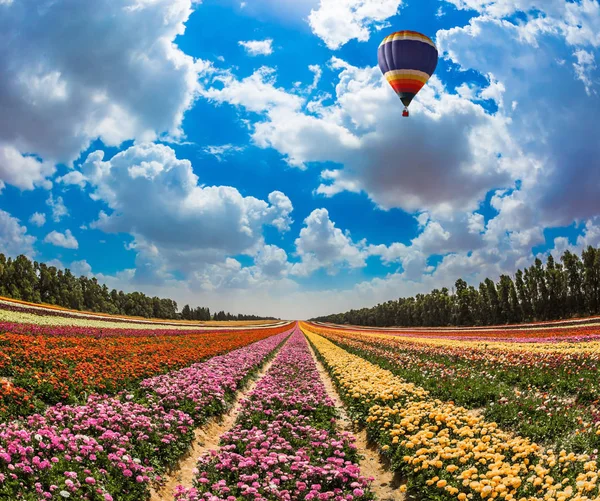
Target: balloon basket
x=405, y=113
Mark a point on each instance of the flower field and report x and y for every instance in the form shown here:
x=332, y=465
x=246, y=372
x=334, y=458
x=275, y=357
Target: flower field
x=470, y=420
x=285, y=444
x=45, y=319
x=118, y=444
x=548, y=392
x=42, y=369
x=104, y=409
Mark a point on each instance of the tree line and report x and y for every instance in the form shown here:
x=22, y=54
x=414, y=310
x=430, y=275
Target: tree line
x=559, y=290
x=27, y=280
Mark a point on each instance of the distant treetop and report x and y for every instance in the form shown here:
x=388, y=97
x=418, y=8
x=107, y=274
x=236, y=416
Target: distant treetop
x=566, y=289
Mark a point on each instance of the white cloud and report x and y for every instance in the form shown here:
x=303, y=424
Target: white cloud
x=337, y=22
x=79, y=268
x=476, y=223
x=59, y=210
x=57, y=263
x=450, y=139
x=38, y=219
x=590, y=235
x=502, y=8
x=66, y=239
x=14, y=239
x=272, y=261
x=223, y=150
x=455, y=235
x=258, y=47
x=564, y=183
x=23, y=171
x=58, y=93
x=322, y=245
x=584, y=68
x=256, y=93
x=177, y=223
x=73, y=177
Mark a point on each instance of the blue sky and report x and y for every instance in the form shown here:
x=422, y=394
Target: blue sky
x=250, y=157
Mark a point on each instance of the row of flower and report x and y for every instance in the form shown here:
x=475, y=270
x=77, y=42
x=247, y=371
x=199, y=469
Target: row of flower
x=14, y=315
x=285, y=444
x=55, y=311
x=38, y=370
x=17, y=306
x=445, y=451
x=548, y=396
x=114, y=447
x=574, y=331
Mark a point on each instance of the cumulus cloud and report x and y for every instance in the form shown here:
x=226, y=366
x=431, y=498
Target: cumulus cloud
x=256, y=93
x=450, y=139
x=23, y=171
x=176, y=222
x=322, y=245
x=61, y=90
x=58, y=207
x=336, y=22
x=66, y=239
x=556, y=110
x=272, y=262
x=258, y=47
x=74, y=177
x=82, y=267
x=14, y=239
x=38, y=219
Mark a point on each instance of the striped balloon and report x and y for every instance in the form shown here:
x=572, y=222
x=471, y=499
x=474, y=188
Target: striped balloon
x=407, y=59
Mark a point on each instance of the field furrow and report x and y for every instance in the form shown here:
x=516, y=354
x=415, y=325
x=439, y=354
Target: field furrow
x=385, y=484
x=206, y=438
x=286, y=443
x=549, y=393
x=112, y=448
x=446, y=451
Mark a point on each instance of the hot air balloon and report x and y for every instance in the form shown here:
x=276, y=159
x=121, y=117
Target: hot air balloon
x=407, y=59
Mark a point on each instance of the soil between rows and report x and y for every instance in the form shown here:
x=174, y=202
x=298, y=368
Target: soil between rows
x=386, y=484
x=206, y=438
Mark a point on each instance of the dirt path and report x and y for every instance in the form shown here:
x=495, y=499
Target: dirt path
x=206, y=438
x=385, y=486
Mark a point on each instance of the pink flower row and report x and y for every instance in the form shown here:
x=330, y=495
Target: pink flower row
x=285, y=444
x=202, y=388
x=111, y=448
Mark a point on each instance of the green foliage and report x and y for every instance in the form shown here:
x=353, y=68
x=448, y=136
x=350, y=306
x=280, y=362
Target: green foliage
x=39, y=283
x=565, y=289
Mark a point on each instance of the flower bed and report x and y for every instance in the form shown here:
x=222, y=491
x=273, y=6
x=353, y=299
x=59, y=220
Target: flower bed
x=447, y=452
x=112, y=447
x=285, y=444
x=46, y=370
x=549, y=393
x=45, y=310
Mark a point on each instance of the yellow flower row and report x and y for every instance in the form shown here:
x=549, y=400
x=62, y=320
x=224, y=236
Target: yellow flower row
x=587, y=347
x=375, y=385
x=441, y=446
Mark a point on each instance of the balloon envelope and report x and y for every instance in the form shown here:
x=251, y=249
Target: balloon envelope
x=407, y=59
